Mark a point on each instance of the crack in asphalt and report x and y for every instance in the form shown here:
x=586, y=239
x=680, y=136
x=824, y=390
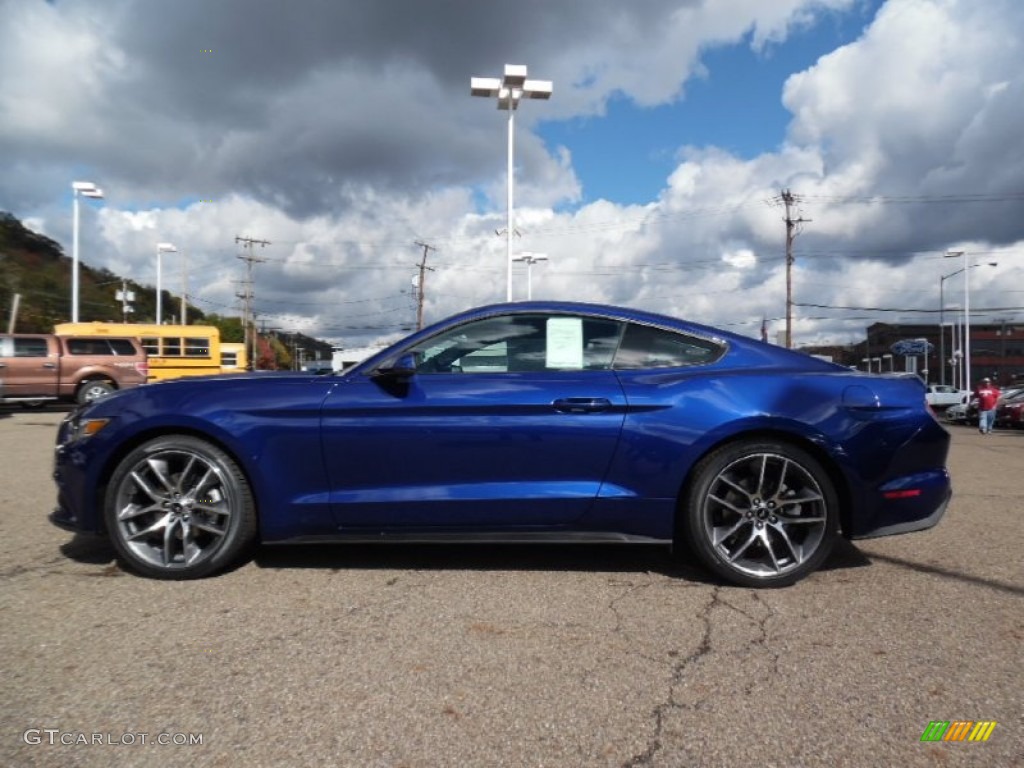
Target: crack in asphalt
x=683, y=666
x=646, y=758
x=762, y=639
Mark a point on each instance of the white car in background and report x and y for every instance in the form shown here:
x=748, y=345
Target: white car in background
x=941, y=396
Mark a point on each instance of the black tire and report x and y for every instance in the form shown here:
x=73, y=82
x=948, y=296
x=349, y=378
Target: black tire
x=94, y=389
x=178, y=507
x=760, y=513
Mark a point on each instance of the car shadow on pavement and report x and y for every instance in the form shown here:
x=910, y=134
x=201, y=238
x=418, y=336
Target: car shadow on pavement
x=599, y=558
x=596, y=558
x=90, y=550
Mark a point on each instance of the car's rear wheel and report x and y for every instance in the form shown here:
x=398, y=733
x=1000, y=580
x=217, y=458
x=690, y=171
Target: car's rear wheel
x=178, y=507
x=94, y=390
x=760, y=513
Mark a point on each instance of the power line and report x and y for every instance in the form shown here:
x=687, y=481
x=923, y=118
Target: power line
x=974, y=310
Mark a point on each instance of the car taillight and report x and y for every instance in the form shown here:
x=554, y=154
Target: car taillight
x=143, y=368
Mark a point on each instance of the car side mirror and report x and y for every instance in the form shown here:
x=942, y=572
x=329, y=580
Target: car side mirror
x=399, y=369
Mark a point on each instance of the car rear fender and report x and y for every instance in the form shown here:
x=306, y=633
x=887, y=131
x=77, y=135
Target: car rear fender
x=779, y=431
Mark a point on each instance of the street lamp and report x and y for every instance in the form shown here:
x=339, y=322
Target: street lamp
x=512, y=87
x=942, y=309
x=530, y=259
x=161, y=249
x=967, y=315
x=85, y=189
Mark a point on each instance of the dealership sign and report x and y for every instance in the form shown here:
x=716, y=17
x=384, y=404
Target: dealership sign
x=911, y=347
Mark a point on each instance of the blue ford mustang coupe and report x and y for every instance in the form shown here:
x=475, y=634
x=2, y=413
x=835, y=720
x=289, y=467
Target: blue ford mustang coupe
x=526, y=422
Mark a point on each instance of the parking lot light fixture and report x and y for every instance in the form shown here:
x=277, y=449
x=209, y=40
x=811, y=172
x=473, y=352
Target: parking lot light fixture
x=161, y=249
x=83, y=189
x=942, y=309
x=530, y=259
x=508, y=90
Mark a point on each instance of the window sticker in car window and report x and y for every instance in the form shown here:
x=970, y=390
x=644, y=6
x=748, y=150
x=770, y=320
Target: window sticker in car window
x=565, y=342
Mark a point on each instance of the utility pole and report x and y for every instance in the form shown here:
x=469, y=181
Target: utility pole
x=14, y=313
x=184, y=286
x=126, y=298
x=791, y=232
x=423, y=274
x=246, y=296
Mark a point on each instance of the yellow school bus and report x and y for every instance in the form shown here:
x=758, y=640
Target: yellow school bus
x=174, y=350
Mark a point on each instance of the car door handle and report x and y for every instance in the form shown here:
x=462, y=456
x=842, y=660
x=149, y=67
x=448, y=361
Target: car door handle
x=582, y=404
x=49, y=365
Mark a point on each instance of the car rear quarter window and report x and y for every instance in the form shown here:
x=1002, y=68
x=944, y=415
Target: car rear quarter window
x=645, y=346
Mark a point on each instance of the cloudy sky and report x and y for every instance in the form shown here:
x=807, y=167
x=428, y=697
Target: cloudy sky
x=343, y=132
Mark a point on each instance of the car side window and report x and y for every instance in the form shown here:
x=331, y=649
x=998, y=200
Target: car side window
x=122, y=347
x=88, y=347
x=30, y=348
x=644, y=346
x=521, y=343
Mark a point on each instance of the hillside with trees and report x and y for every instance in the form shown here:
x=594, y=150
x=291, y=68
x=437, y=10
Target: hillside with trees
x=35, y=267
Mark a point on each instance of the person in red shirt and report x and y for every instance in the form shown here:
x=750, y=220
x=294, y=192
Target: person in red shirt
x=988, y=397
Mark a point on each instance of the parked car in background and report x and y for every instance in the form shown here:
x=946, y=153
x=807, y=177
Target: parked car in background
x=941, y=396
x=956, y=414
x=516, y=423
x=1010, y=411
x=37, y=368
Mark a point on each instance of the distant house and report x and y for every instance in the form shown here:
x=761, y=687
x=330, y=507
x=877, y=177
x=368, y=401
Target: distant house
x=342, y=359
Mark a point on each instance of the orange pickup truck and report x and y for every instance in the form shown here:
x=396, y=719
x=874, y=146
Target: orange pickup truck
x=36, y=368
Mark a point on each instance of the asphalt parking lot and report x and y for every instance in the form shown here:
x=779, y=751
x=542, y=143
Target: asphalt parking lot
x=505, y=656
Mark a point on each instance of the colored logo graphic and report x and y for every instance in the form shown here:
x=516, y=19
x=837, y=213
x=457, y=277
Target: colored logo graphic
x=958, y=730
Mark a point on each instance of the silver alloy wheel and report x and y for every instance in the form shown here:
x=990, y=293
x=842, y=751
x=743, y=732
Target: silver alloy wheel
x=173, y=508
x=765, y=515
x=94, y=390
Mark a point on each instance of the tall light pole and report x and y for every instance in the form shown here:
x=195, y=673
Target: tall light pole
x=85, y=189
x=161, y=249
x=530, y=259
x=942, y=310
x=512, y=87
x=967, y=316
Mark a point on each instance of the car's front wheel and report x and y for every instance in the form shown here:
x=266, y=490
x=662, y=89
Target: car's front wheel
x=178, y=507
x=760, y=513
